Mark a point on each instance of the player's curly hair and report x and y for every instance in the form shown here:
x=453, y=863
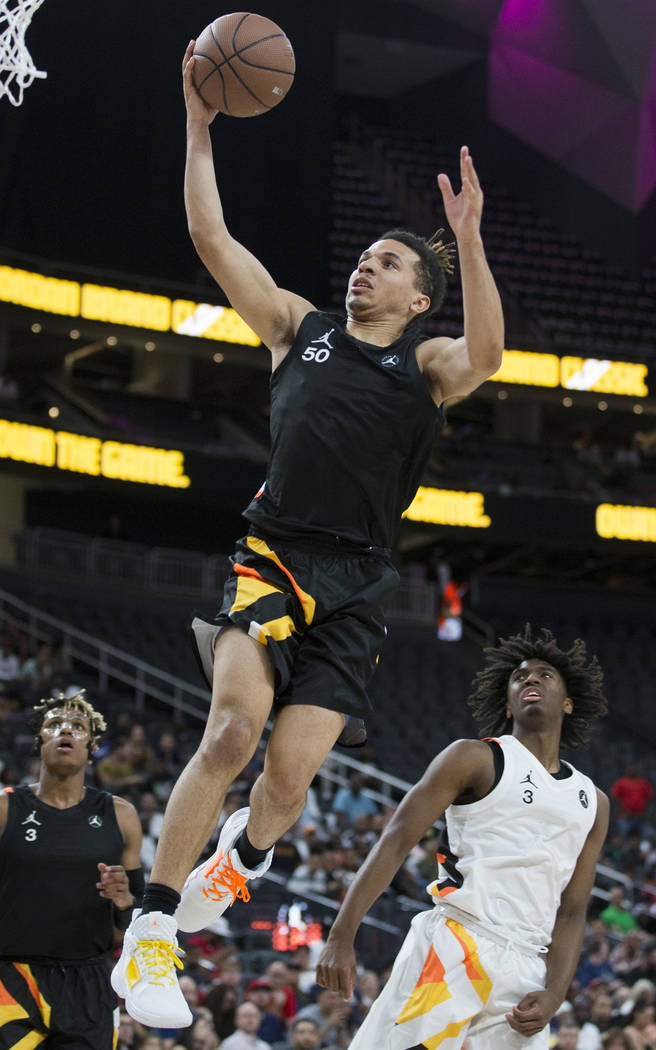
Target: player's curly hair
x=76, y=702
x=583, y=681
x=434, y=262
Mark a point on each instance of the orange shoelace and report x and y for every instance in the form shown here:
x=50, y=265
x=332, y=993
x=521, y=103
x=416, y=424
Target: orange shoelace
x=159, y=959
x=224, y=879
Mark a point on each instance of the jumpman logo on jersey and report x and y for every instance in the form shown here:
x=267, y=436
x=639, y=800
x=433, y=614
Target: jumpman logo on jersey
x=325, y=338
x=527, y=779
x=95, y=821
x=32, y=819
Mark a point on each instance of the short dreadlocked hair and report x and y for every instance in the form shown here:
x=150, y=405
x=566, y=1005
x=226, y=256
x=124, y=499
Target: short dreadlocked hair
x=583, y=680
x=76, y=702
x=434, y=262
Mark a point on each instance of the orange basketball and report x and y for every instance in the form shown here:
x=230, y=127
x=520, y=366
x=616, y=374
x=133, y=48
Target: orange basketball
x=244, y=64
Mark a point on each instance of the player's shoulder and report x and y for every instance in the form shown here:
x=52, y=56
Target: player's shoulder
x=5, y=795
x=465, y=752
x=123, y=807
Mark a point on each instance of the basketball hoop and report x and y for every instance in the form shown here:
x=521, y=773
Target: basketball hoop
x=17, y=70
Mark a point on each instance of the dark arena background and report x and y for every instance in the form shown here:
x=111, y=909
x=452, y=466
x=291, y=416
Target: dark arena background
x=133, y=401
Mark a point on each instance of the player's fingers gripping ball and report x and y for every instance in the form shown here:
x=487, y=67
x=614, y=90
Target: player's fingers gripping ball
x=244, y=64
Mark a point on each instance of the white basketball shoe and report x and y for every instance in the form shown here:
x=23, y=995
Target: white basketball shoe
x=217, y=883
x=145, y=974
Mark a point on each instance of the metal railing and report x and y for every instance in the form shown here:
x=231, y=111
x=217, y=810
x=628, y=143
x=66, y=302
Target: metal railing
x=163, y=570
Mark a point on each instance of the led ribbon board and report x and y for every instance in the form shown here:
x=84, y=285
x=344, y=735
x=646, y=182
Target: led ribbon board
x=122, y=306
x=447, y=507
x=624, y=378
x=62, y=450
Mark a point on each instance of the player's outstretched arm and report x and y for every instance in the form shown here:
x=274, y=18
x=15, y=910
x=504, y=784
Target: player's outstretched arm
x=458, y=366
x=466, y=764
x=537, y=1008
x=273, y=313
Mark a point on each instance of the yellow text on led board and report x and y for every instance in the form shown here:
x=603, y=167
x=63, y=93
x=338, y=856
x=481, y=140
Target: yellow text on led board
x=618, y=522
x=81, y=454
x=447, y=507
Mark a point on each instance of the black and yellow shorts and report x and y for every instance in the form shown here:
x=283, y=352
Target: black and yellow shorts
x=57, y=1005
x=318, y=611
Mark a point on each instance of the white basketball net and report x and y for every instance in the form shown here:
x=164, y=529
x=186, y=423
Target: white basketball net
x=17, y=70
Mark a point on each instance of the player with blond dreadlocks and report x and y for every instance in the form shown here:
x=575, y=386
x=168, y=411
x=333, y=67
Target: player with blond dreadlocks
x=492, y=960
x=69, y=875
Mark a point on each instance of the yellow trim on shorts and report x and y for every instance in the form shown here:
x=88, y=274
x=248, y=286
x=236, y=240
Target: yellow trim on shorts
x=450, y=1032
x=279, y=629
x=478, y=977
x=29, y=1041
x=250, y=590
x=307, y=601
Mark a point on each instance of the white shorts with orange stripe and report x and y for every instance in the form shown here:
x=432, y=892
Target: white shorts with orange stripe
x=451, y=989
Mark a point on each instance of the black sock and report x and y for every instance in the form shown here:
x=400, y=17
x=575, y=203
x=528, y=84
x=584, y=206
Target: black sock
x=248, y=855
x=158, y=897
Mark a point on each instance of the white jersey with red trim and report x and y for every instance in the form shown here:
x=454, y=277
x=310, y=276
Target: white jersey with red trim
x=506, y=859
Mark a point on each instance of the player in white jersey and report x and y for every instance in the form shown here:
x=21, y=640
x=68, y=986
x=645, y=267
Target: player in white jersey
x=488, y=966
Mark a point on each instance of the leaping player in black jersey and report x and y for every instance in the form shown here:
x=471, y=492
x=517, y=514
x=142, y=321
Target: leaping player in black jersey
x=354, y=415
x=69, y=873
x=492, y=960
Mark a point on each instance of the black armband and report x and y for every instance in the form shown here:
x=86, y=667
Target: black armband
x=137, y=883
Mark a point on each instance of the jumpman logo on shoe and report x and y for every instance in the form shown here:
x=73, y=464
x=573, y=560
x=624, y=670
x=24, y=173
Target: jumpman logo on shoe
x=32, y=819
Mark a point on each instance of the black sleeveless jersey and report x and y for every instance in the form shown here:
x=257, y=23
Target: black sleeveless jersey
x=50, y=908
x=352, y=428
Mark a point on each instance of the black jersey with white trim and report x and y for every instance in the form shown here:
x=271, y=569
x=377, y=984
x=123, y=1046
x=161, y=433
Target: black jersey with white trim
x=50, y=908
x=352, y=428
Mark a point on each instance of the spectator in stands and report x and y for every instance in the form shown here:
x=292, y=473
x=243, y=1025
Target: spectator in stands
x=632, y=793
x=331, y=1015
x=127, y=1032
x=272, y=1028
x=9, y=662
x=617, y=915
x=312, y=645
x=116, y=772
x=294, y=973
x=151, y=817
x=616, y=1039
x=589, y=1032
x=141, y=754
x=221, y=1001
x=567, y=1036
x=596, y=965
x=231, y=972
x=499, y=795
x=350, y=802
x=631, y=858
x=152, y=1041
x=310, y=877
x=367, y=990
x=303, y=1035
x=283, y=1000
x=640, y=1019
x=203, y=1036
x=247, y=1022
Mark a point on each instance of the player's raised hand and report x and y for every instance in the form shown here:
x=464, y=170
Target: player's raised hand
x=463, y=210
x=337, y=968
x=197, y=108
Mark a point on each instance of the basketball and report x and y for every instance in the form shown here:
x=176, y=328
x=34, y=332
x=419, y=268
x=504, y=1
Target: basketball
x=244, y=64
